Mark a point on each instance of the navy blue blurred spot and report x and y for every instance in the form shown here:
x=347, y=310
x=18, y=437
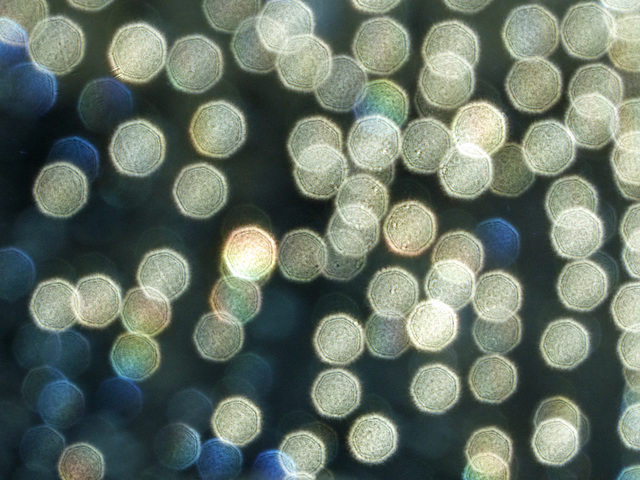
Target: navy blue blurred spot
x=41, y=447
x=219, y=460
x=103, y=104
x=34, y=347
x=78, y=151
x=61, y=404
x=501, y=242
x=27, y=91
x=17, y=273
x=35, y=381
x=272, y=465
x=13, y=43
x=121, y=397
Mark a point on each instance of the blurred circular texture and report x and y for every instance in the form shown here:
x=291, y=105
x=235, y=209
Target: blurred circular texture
x=75, y=353
x=90, y=5
x=335, y=393
x=569, y=192
x=250, y=253
x=631, y=261
x=137, y=53
x=410, y=228
x=135, y=356
x=629, y=349
x=435, y=389
x=194, y=64
x=190, y=406
x=165, y=271
x=501, y=241
x=81, y=461
x=511, y=176
x=628, y=427
x=549, y=147
x=629, y=473
x=530, y=31
x=313, y=131
x=629, y=225
x=374, y=142
x=17, y=273
x=451, y=282
x=555, y=442
x=177, y=446
x=382, y=45
x=248, y=50
x=621, y=5
x=61, y=404
x=467, y=6
x=78, y=151
x=534, y=85
x=393, y=291
x=592, y=120
x=25, y=12
x=217, y=338
x=338, y=339
x=306, y=450
x=490, y=440
x=588, y=17
x=103, y=104
x=425, y=142
x=145, y=310
x=353, y=230
x=35, y=380
x=279, y=20
x=50, y=305
x=304, y=65
x=344, y=85
x=564, y=408
x=432, y=326
x=302, y=255
x=372, y=438
x=596, y=78
x=60, y=190
x=482, y=124
x=365, y=190
x=119, y=396
x=137, y=148
x=237, y=420
x=466, y=172
x=628, y=117
x=57, y=44
x=565, y=344
x=386, y=337
x=13, y=43
x=497, y=337
x=577, y=233
x=624, y=306
x=340, y=267
x=386, y=98
x=452, y=36
x=459, y=245
x=218, y=129
x=235, y=299
x=493, y=379
x=486, y=465
x=498, y=296
x=33, y=347
x=375, y=6
x=272, y=465
x=219, y=460
x=319, y=171
x=446, y=80
x=200, y=191
x=97, y=301
x=623, y=52
x=31, y=91
x=582, y=285
x=40, y=448
x=624, y=159
x=225, y=16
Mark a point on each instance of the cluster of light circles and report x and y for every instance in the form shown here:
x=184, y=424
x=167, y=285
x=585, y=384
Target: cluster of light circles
x=462, y=136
